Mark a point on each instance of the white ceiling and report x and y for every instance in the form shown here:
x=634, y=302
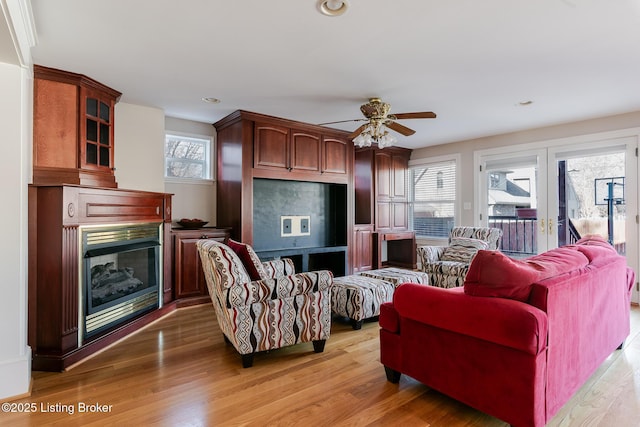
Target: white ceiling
x=469, y=61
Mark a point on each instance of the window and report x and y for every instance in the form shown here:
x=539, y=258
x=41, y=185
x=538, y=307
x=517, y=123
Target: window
x=433, y=198
x=188, y=157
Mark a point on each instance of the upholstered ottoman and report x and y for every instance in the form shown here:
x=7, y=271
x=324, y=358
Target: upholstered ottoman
x=397, y=276
x=359, y=297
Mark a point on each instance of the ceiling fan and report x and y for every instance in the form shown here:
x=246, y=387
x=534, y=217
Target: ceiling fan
x=378, y=119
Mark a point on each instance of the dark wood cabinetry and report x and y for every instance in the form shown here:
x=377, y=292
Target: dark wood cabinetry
x=188, y=278
x=381, y=199
x=390, y=171
x=73, y=129
x=255, y=148
x=278, y=147
x=252, y=145
x=363, y=253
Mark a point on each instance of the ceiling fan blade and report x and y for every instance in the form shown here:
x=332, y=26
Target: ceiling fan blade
x=400, y=128
x=358, y=131
x=341, y=121
x=422, y=115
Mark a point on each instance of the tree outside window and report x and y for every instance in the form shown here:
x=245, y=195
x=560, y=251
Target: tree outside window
x=188, y=157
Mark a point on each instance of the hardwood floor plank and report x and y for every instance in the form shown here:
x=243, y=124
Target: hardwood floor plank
x=180, y=372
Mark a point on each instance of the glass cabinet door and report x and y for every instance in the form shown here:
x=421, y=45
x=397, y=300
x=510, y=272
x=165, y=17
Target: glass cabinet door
x=97, y=143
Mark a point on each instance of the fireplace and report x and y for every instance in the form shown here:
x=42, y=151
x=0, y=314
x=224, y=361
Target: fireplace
x=120, y=275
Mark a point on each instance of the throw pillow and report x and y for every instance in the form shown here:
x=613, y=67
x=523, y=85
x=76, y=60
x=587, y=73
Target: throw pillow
x=249, y=259
x=462, y=249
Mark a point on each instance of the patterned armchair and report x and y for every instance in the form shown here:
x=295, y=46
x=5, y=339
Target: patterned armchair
x=275, y=310
x=447, y=266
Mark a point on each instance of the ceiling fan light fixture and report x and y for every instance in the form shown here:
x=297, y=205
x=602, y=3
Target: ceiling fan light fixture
x=333, y=7
x=377, y=133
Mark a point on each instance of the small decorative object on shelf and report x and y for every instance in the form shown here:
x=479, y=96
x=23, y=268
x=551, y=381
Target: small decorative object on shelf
x=192, y=223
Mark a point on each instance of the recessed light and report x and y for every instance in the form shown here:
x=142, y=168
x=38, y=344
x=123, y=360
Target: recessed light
x=332, y=7
x=211, y=100
x=524, y=103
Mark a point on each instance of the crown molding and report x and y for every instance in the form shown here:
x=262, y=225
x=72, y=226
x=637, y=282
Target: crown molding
x=19, y=17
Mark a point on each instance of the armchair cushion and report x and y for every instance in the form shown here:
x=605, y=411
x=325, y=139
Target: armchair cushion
x=249, y=259
x=279, y=267
x=462, y=249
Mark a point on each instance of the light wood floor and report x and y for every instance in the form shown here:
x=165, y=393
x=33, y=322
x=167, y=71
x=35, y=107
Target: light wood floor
x=179, y=372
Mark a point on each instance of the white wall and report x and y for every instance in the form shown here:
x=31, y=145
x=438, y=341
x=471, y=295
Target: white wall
x=15, y=134
x=192, y=200
x=139, y=147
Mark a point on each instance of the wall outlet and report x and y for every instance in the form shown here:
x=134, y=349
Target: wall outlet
x=295, y=225
x=304, y=225
x=286, y=226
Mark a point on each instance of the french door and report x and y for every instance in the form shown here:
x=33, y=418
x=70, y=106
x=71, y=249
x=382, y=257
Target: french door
x=547, y=197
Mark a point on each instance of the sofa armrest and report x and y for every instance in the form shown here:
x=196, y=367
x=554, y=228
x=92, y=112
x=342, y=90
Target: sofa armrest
x=389, y=319
x=279, y=267
x=430, y=254
x=282, y=287
x=502, y=321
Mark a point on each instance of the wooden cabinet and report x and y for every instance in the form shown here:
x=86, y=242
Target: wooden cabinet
x=381, y=199
x=73, y=129
x=286, y=148
x=188, y=279
x=381, y=188
x=363, y=249
x=390, y=171
x=255, y=148
x=279, y=147
x=336, y=156
x=252, y=145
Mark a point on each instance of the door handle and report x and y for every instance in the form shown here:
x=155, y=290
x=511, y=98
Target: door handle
x=542, y=229
x=550, y=226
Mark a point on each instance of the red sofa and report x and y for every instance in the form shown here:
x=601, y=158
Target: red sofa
x=520, y=338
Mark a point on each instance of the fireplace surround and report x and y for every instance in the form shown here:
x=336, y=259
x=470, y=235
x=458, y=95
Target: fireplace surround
x=71, y=231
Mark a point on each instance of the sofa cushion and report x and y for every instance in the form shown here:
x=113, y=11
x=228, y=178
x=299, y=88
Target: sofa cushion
x=595, y=247
x=493, y=274
x=462, y=249
x=249, y=259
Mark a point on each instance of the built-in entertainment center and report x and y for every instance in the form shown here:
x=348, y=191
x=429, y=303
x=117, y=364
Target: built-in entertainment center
x=286, y=188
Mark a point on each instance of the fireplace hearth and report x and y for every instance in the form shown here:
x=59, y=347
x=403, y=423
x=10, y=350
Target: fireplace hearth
x=120, y=274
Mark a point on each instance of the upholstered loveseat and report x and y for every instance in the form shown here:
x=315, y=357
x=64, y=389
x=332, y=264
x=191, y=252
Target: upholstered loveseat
x=520, y=338
x=447, y=266
x=263, y=306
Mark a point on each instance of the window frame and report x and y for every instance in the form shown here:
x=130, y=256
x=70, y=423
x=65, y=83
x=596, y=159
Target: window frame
x=209, y=162
x=430, y=162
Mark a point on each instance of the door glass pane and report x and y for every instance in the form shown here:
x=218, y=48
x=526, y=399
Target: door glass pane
x=512, y=206
x=591, y=199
